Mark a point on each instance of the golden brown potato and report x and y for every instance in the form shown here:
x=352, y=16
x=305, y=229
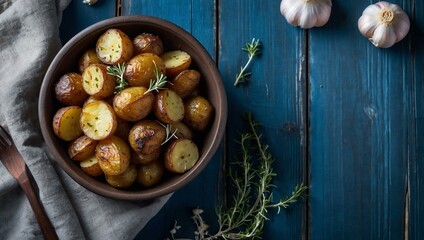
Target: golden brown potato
x=122, y=129
x=97, y=82
x=133, y=103
x=66, y=123
x=198, y=113
x=91, y=166
x=123, y=180
x=114, y=155
x=98, y=120
x=82, y=148
x=168, y=106
x=150, y=174
x=88, y=57
x=185, y=82
x=114, y=47
x=69, y=90
x=145, y=158
x=141, y=69
x=89, y=100
x=182, y=131
x=181, y=155
x=146, y=136
x=176, y=62
x=147, y=43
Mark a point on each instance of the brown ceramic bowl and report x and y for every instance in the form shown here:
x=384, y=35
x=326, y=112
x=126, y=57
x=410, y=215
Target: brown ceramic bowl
x=173, y=37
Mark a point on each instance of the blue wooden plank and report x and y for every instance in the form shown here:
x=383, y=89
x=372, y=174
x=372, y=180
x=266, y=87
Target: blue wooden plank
x=205, y=190
x=361, y=99
x=78, y=16
x=275, y=94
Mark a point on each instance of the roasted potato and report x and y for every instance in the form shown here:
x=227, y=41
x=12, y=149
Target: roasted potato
x=182, y=131
x=123, y=180
x=69, y=90
x=98, y=120
x=176, y=62
x=150, y=174
x=122, y=129
x=114, y=47
x=82, y=148
x=181, y=155
x=197, y=113
x=168, y=106
x=146, y=136
x=97, y=82
x=114, y=155
x=145, y=158
x=133, y=103
x=147, y=43
x=91, y=166
x=140, y=69
x=88, y=57
x=89, y=100
x=185, y=83
x=66, y=123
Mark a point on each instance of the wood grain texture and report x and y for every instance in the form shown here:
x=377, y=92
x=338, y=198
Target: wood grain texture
x=361, y=124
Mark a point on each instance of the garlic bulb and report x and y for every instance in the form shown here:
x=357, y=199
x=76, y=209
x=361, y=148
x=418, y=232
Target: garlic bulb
x=384, y=24
x=306, y=13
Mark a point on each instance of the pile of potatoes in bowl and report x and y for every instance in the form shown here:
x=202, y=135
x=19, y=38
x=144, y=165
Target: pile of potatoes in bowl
x=131, y=110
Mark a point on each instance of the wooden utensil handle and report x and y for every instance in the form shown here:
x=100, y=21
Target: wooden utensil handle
x=45, y=225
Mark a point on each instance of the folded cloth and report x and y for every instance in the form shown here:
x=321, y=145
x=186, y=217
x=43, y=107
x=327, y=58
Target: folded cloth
x=29, y=40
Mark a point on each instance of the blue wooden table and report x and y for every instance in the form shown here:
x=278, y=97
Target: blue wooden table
x=339, y=114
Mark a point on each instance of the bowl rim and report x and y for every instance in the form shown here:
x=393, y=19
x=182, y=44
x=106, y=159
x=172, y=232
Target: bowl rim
x=208, y=151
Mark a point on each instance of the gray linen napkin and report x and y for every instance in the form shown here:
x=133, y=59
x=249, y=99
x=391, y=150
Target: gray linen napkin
x=29, y=40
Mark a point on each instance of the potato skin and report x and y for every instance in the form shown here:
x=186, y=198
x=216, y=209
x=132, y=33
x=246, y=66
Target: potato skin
x=123, y=180
x=91, y=166
x=88, y=57
x=141, y=69
x=198, y=112
x=185, y=82
x=148, y=43
x=150, y=174
x=181, y=155
x=132, y=104
x=82, y=148
x=69, y=89
x=66, y=123
x=139, y=158
x=114, y=155
x=182, y=131
x=114, y=47
x=146, y=136
x=96, y=81
x=168, y=106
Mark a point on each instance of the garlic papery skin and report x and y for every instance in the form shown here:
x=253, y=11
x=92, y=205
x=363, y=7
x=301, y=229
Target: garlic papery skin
x=306, y=13
x=384, y=24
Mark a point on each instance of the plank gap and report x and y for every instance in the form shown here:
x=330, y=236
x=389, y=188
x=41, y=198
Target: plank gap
x=118, y=8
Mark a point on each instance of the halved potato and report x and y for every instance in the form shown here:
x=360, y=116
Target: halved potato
x=181, y=155
x=97, y=82
x=66, y=123
x=185, y=82
x=145, y=158
x=91, y=166
x=123, y=180
x=82, y=148
x=150, y=174
x=69, y=89
x=182, y=131
x=133, y=103
x=98, y=120
x=140, y=70
x=198, y=112
x=168, y=106
x=114, y=155
x=88, y=57
x=148, y=43
x=146, y=136
x=114, y=47
x=176, y=62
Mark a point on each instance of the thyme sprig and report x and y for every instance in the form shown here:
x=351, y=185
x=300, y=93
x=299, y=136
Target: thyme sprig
x=118, y=72
x=159, y=82
x=253, y=48
x=168, y=132
x=246, y=216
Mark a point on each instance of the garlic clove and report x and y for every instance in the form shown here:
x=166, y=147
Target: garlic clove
x=306, y=13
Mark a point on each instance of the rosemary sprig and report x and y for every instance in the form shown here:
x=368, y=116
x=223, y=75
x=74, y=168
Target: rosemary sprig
x=158, y=83
x=118, y=72
x=253, y=48
x=168, y=132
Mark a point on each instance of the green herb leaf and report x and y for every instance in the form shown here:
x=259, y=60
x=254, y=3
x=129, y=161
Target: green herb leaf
x=253, y=48
x=118, y=72
x=158, y=83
